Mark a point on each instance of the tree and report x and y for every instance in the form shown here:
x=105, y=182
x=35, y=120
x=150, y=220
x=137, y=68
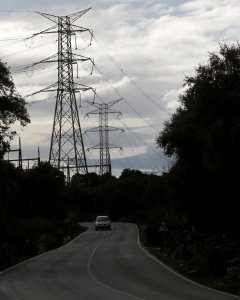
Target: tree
x=204, y=134
x=12, y=109
x=205, y=128
x=42, y=190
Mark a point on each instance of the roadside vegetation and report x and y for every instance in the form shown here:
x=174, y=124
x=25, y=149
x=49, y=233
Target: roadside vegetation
x=197, y=199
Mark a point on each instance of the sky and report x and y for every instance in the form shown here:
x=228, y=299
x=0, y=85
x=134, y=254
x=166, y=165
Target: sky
x=142, y=52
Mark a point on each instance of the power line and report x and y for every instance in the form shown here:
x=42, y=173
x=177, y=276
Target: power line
x=25, y=50
x=136, y=112
x=142, y=141
x=124, y=124
x=130, y=79
x=124, y=101
x=15, y=38
x=17, y=11
x=34, y=11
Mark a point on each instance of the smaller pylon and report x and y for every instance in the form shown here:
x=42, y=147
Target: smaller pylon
x=103, y=110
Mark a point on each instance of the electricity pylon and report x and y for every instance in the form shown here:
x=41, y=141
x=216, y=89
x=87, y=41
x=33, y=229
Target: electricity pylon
x=103, y=110
x=67, y=147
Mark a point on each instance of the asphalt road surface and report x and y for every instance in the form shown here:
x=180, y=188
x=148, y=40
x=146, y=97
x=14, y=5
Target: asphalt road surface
x=102, y=265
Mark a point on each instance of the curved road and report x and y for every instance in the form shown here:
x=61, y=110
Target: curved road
x=102, y=265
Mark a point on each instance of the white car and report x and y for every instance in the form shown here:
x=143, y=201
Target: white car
x=103, y=222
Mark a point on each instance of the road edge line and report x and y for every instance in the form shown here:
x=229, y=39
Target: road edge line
x=98, y=282
x=178, y=274
x=42, y=254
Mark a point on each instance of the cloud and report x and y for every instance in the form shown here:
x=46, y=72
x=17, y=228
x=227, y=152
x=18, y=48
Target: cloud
x=172, y=99
x=143, y=50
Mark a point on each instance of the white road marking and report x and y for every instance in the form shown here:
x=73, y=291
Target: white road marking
x=98, y=282
x=177, y=274
x=42, y=254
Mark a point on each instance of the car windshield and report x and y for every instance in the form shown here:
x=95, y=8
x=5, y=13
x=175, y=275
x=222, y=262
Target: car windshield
x=102, y=219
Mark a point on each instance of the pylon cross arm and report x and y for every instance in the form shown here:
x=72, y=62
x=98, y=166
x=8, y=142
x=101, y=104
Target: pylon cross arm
x=49, y=16
x=78, y=14
x=46, y=31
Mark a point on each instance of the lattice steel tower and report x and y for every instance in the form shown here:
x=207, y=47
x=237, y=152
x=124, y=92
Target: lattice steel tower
x=103, y=110
x=67, y=147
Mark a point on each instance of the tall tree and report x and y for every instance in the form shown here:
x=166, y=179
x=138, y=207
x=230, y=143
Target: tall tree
x=12, y=109
x=204, y=133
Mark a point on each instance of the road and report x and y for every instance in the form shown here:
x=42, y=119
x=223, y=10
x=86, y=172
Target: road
x=100, y=265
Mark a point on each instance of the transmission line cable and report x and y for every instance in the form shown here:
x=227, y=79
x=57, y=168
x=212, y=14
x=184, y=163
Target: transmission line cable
x=120, y=161
x=135, y=154
x=14, y=38
x=126, y=102
x=130, y=79
x=17, y=11
x=134, y=110
x=25, y=50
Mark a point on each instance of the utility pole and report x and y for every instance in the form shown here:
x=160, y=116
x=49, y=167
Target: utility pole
x=67, y=147
x=103, y=110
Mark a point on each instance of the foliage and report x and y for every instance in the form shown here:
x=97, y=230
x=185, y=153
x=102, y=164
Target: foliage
x=204, y=135
x=12, y=109
x=42, y=187
x=205, y=128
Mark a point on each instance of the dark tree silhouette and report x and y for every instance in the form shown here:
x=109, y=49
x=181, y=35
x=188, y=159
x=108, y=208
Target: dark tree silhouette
x=12, y=108
x=204, y=135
